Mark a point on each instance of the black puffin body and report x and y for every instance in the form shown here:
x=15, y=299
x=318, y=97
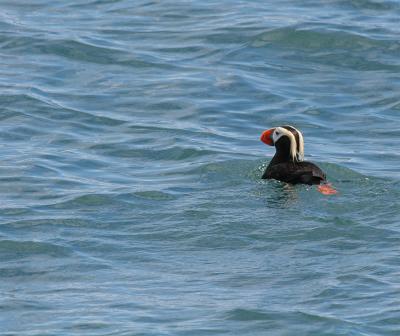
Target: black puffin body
x=287, y=165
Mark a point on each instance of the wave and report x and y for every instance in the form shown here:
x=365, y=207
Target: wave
x=18, y=249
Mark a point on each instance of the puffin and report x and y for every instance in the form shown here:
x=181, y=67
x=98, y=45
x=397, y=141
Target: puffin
x=288, y=163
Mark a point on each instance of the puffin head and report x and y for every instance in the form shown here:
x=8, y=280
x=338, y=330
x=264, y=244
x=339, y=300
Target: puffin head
x=286, y=139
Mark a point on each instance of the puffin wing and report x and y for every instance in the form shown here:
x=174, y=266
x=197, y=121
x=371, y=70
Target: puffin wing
x=317, y=174
x=307, y=173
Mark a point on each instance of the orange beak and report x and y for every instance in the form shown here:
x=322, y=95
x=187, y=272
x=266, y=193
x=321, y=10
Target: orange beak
x=266, y=137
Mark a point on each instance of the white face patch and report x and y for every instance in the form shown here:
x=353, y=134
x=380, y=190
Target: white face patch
x=297, y=155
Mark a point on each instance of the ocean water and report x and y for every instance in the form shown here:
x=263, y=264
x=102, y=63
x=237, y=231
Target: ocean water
x=130, y=194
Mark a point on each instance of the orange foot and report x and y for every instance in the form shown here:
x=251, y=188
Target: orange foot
x=327, y=189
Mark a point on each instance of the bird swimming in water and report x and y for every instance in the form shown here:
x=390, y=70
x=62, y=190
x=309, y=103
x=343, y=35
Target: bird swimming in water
x=288, y=163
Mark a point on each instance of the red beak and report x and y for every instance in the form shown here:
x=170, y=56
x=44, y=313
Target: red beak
x=266, y=137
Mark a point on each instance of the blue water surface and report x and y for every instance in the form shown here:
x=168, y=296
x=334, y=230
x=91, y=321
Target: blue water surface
x=130, y=194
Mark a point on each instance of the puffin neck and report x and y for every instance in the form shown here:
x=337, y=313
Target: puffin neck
x=283, y=153
x=281, y=158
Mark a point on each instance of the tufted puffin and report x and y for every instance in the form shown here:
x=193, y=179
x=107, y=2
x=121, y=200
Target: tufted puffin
x=287, y=165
